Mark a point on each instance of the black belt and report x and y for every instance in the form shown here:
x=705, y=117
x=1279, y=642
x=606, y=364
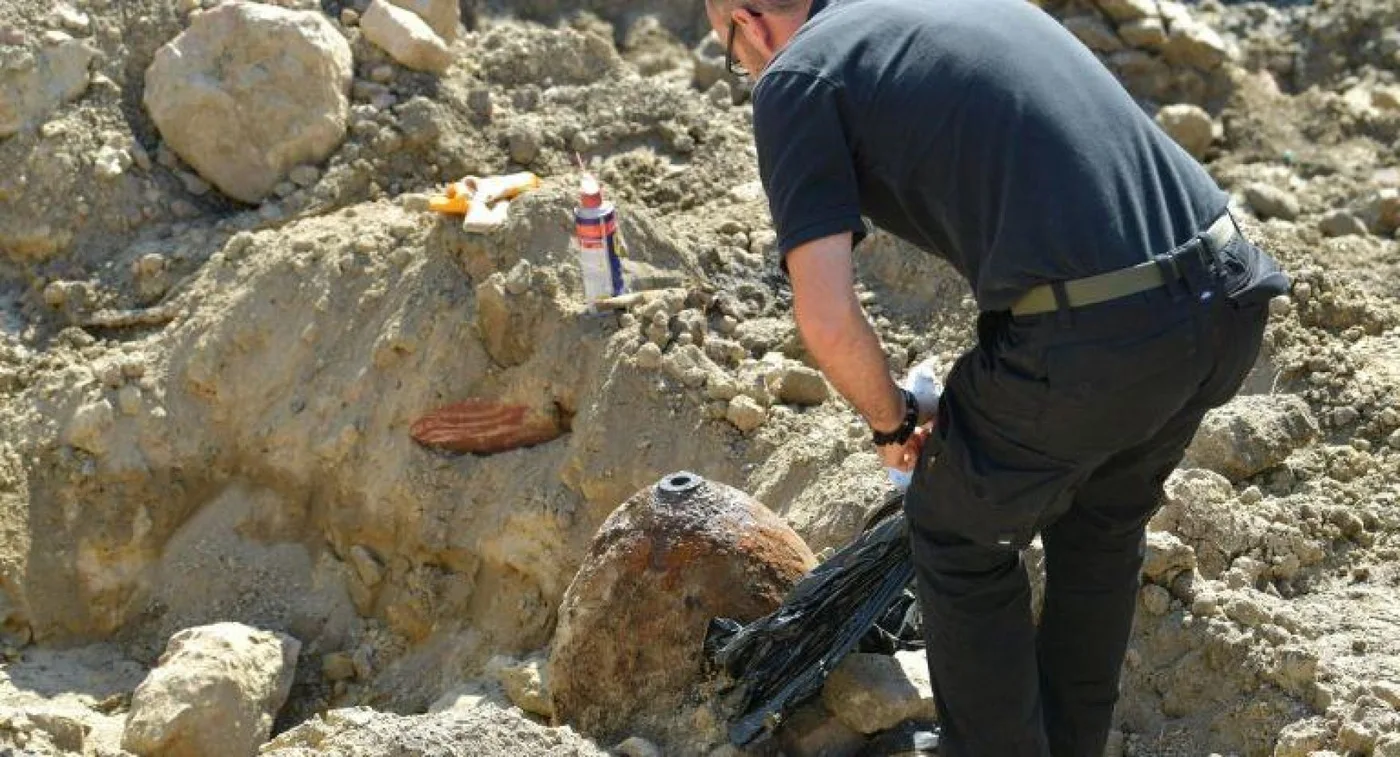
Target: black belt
x=1103, y=287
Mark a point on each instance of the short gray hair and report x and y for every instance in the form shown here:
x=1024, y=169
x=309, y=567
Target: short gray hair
x=776, y=7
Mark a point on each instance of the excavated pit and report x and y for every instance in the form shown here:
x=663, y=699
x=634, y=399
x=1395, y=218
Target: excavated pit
x=207, y=404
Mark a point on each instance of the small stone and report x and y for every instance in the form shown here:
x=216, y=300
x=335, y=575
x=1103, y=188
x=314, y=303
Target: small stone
x=1302, y=292
x=649, y=356
x=382, y=74
x=304, y=176
x=686, y=364
x=524, y=145
x=88, y=428
x=1281, y=306
x=1357, y=738
x=798, y=385
x=193, y=184
x=721, y=95
x=1269, y=201
x=72, y=19
x=1094, y=33
x=1146, y=33
x=1382, y=211
x=68, y=734
x=1340, y=223
x=1194, y=44
x=111, y=162
x=150, y=264
x=407, y=38
x=349, y=17
x=129, y=399
x=366, y=566
x=1387, y=691
x=480, y=102
x=338, y=666
x=56, y=294
x=1247, y=611
x=1190, y=125
x=111, y=375
x=525, y=683
x=443, y=16
x=139, y=156
x=363, y=659
x=1128, y=10
x=637, y=746
x=1156, y=599
x=745, y=413
x=1166, y=556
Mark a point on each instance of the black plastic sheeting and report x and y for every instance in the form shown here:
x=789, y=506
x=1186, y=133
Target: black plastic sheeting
x=859, y=598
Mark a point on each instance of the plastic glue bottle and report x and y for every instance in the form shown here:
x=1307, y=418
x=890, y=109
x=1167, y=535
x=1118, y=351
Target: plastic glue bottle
x=600, y=249
x=922, y=381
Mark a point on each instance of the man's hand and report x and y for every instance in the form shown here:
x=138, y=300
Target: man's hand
x=903, y=457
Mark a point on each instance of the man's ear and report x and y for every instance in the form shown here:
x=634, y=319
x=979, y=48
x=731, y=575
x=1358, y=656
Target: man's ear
x=757, y=30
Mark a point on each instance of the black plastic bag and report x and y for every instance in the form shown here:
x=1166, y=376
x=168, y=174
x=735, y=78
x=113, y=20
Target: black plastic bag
x=780, y=661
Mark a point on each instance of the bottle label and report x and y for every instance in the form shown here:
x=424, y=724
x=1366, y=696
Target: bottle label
x=599, y=258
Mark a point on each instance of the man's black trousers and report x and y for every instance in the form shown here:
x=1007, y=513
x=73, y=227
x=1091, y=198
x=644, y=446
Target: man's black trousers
x=1066, y=424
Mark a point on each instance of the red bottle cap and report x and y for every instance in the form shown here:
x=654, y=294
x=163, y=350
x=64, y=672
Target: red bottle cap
x=590, y=192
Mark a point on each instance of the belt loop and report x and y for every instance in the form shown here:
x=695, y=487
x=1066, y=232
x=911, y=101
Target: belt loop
x=1197, y=269
x=1171, y=276
x=1062, y=310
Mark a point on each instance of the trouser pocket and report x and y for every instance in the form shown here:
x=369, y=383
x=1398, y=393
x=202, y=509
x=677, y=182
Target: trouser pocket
x=1248, y=275
x=979, y=479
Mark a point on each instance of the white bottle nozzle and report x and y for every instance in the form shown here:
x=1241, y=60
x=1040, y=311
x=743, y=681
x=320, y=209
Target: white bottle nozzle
x=923, y=382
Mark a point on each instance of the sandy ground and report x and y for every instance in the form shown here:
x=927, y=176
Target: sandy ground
x=207, y=404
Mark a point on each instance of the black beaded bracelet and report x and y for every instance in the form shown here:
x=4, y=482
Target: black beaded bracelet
x=906, y=428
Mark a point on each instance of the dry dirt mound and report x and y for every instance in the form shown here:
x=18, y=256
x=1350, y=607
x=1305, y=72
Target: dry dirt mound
x=207, y=404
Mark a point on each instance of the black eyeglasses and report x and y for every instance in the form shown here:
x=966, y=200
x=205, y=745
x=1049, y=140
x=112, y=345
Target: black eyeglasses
x=734, y=67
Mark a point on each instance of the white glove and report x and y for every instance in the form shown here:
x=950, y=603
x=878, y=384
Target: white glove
x=921, y=381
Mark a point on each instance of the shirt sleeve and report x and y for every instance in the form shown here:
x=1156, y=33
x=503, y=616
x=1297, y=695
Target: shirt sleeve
x=805, y=160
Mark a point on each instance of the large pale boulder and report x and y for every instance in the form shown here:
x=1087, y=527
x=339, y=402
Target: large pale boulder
x=35, y=83
x=216, y=690
x=627, y=653
x=249, y=92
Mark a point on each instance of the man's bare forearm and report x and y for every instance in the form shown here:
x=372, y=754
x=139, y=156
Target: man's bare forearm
x=836, y=332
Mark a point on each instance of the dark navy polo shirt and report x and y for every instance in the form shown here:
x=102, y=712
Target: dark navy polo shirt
x=979, y=130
